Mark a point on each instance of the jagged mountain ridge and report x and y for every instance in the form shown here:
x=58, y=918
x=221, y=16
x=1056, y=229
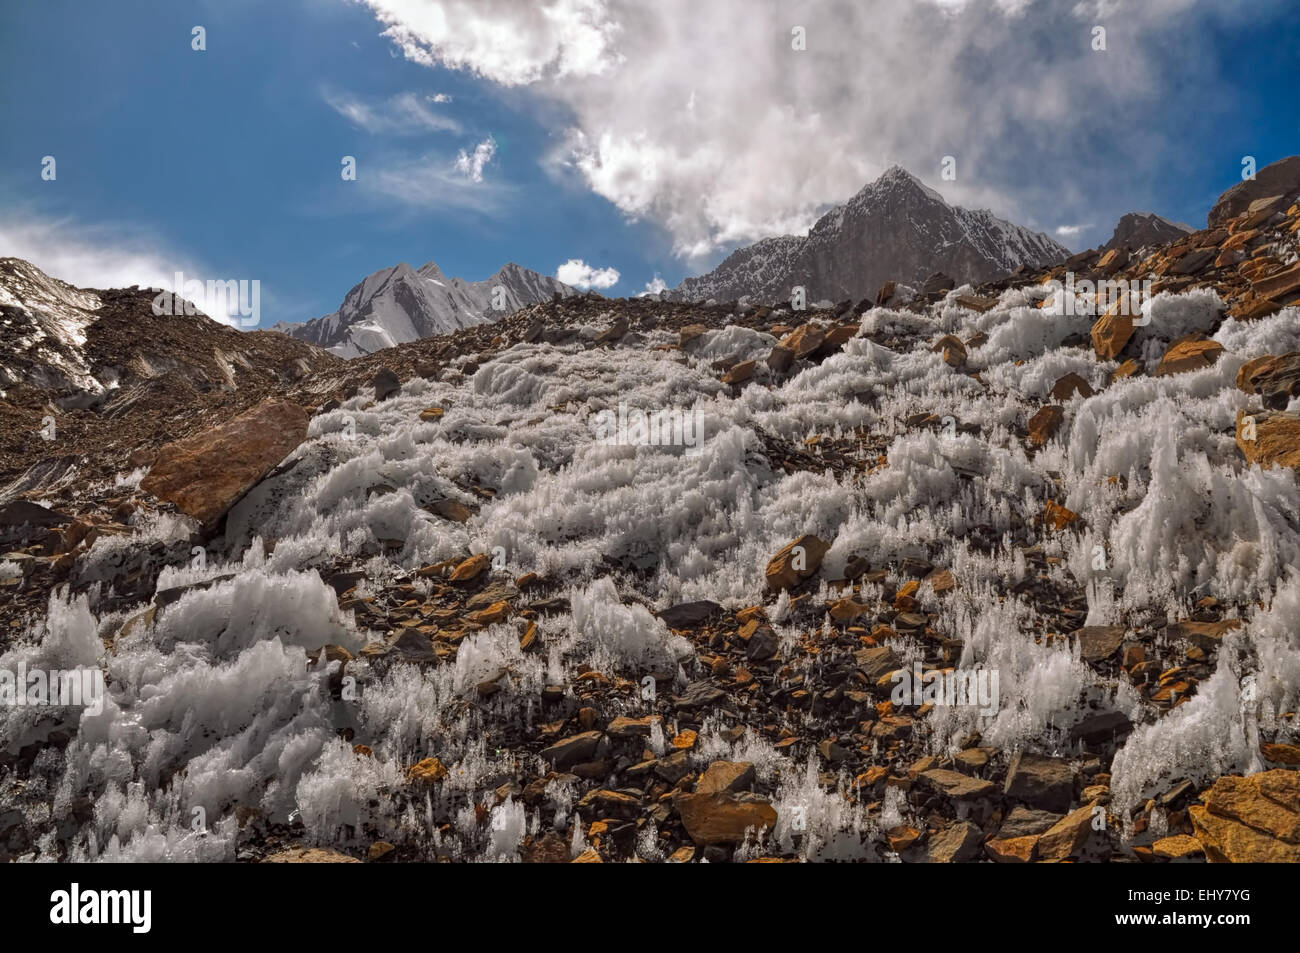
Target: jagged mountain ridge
x=401, y=304
x=894, y=229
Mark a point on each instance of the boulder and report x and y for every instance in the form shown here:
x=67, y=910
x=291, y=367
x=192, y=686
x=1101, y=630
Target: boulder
x=1269, y=438
x=724, y=818
x=207, y=473
x=796, y=561
x=1044, y=783
x=1275, y=378
x=1191, y=353
x=1280, y=178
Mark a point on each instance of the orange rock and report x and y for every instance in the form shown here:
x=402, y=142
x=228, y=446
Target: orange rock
x=1188, y=354
x=426, y=771
x=684, y=740
x=724, y=818
x=1269, y=438
x=471, y=568
x=739, y=373
x=1012, y=850
x=497, y=612
x=1057, y=516
x=805, y=339
x=795, y=561
x=1111, y=332
x=1044, y=424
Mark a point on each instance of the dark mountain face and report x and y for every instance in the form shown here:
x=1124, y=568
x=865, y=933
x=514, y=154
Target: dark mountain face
x=1144, y=229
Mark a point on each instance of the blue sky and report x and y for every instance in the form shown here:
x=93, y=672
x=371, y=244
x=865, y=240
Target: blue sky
x=650, y=139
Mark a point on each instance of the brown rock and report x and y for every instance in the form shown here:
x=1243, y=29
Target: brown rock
x=1280, y=753
x=207, y=473
x=1269, y=802
x=310, y=855
x=805, y=339
x=1276, y=378
x=797, y=560
x=1227, y=841
x=1057, y=516
x=1269, y=438
x=956, y=785
x=781, y=359
x=1127, y=369
x=1069, y=385
x=1281, y=285
x=1178, y=847
x=724, y=818
x=426, y=771
x=1044, y=424
x=955, y=844
x=739, y=373
x=1279, y=178
x=1067, y=835
x=954, y=351
x=726, y=777
x=452, y=510
x=690, y=333
x=1012, y=850
x=471, y=568
x=1188, y=354
x=1111, y=332
x=1099, y=642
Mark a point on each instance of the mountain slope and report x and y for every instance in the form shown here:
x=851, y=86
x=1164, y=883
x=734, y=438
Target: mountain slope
x=1143, y=229
x=398, y=305
x=895, y=229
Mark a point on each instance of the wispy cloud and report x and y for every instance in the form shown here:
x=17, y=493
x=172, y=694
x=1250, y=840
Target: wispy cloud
x=406, y=114
x=471, y=165
x=435, y=181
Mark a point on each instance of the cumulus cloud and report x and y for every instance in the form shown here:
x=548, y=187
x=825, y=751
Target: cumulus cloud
x=704, y=118
x=404, y=114
x=471, y=164
x=579, y=274
x=654, y=286
x=508, y=42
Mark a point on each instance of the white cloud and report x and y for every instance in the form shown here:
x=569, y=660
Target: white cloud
x=654, y=286
x=101, y=257
x=579, y=274
x=508, y=42
x=471, y=165
x=404, y=114
x=702, y=118
x=439, y=98
x=1069, y=231
x=432, y=181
